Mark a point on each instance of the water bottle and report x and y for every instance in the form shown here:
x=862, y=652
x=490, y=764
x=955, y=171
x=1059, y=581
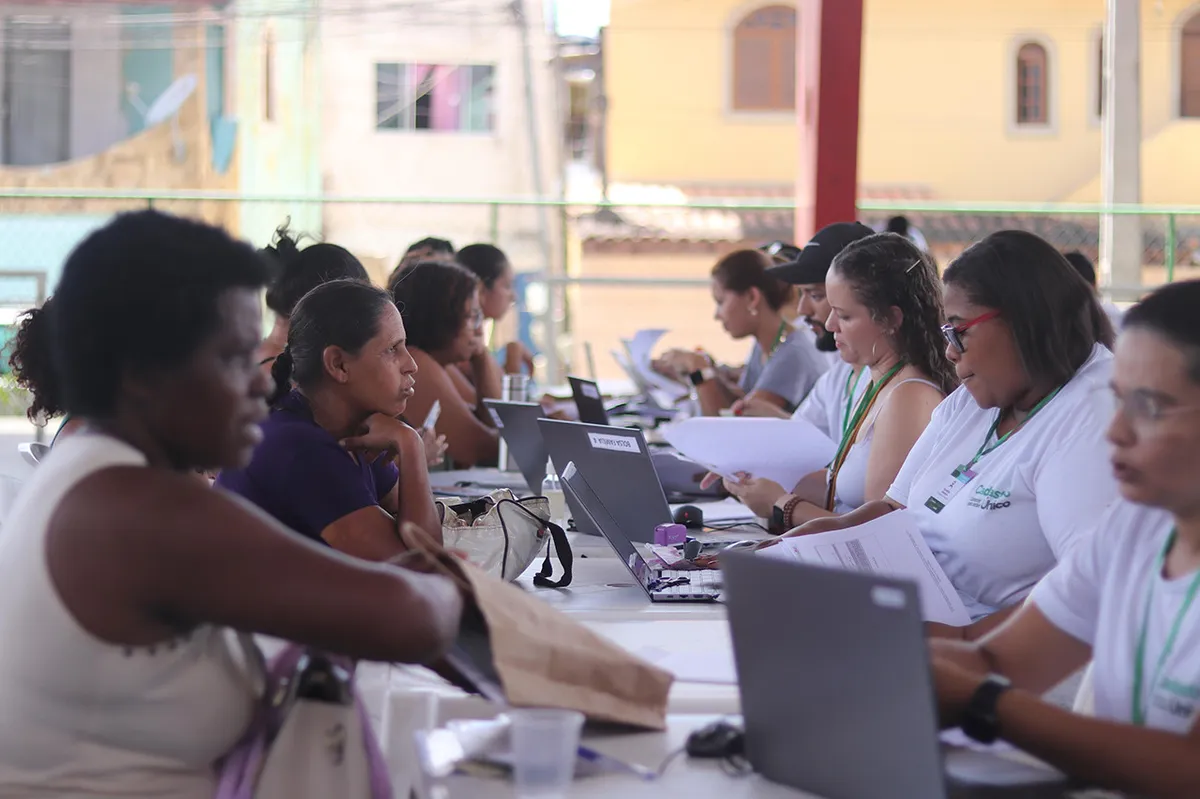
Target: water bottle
x=552, y=490
x=513, y=388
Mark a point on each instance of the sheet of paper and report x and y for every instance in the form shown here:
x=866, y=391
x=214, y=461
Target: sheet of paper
x=783, y=450
x=715, y=666
x=641, y=348
x=890, y=546
x=984, y=768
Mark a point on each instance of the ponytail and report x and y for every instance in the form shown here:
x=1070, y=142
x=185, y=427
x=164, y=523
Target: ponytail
x=281, y=372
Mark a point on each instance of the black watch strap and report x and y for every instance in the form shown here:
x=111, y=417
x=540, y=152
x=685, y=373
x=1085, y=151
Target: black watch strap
x=980, y=721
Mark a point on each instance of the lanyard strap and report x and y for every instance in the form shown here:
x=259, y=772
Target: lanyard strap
x=856, y=423
x=1140, y=705
x=851, y=382
x=779, y=337
x=985, y=449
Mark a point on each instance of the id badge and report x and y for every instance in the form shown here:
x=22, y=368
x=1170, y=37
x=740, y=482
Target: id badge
x=941, y=498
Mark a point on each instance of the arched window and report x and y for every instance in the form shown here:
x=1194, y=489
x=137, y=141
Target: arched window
x=764, y=60
x=1189, y=68
x=1033, y=85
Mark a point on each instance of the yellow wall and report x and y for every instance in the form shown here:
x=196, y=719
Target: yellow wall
x=937, y=100
x=669, y=121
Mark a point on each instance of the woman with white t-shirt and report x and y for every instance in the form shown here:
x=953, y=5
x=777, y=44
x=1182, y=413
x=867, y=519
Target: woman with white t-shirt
x=1013, y=464
x=886, y=316
x=1126, y=598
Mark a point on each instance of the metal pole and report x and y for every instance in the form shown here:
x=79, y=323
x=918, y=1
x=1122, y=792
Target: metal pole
x=1169, y=250
x=1120, y=170
x=494, y=223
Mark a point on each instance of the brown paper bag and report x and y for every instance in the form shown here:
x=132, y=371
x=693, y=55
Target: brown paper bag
x=539, y=657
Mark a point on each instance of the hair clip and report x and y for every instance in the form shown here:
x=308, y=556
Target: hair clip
x=914, y=266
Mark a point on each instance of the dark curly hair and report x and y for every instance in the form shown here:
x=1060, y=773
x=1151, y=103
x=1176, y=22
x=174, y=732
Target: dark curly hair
x=32, y=366
x=432, y=297
x=139, y=296
x=888, y=271
x=743, y=270
x=340, y=313
x=1055, y=316
x=298, y=272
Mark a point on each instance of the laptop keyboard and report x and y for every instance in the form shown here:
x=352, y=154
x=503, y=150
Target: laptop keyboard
x=699, y=581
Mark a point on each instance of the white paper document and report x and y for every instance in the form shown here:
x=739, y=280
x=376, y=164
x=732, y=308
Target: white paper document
x=782, y=450
x=890, y=546
x=641, y=348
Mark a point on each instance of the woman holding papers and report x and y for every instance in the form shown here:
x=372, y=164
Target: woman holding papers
x=1126, y=598
x=783, y=363
x=1013, y=464
x=333, y=457
x=886, y=317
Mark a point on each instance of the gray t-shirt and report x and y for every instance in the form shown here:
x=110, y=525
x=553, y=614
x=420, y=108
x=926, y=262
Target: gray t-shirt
x=790, y=372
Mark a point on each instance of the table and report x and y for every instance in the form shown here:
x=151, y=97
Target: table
x=683, y=777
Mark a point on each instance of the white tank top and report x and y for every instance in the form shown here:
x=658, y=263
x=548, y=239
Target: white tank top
x=81, y=717
x=852, y=477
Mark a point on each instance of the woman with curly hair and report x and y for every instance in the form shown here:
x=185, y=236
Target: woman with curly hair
x=439, y=302
x=31, y=367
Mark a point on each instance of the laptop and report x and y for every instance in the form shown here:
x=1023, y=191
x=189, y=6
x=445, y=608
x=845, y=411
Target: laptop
x=518, y=425
x=617, y=465
x=589, y=402
x=660, y=585
x=837, y=693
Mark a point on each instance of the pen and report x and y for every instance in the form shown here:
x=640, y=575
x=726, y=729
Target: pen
x=612, y=764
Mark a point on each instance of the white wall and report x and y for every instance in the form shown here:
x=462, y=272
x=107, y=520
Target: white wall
x=358, y=160
x=96, y=122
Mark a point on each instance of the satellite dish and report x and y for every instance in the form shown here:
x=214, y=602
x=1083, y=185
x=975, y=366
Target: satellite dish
x=170, y=101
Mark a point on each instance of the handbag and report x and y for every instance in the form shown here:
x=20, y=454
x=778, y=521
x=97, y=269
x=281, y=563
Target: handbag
x=310, y=737
x=503, y=535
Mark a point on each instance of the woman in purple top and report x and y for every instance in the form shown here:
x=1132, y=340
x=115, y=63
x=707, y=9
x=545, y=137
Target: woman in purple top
x=335, y=464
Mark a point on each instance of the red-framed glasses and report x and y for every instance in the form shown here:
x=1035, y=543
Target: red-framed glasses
x=953, y=333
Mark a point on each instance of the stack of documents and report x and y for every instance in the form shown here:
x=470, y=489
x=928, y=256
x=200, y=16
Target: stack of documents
x=782, y=450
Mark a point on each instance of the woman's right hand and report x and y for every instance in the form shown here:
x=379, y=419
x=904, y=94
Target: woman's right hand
x=381, y=435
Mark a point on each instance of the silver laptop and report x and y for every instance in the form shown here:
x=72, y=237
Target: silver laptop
x=617, y=465
x=836, y=691
x=660, y=585
x=518, y=425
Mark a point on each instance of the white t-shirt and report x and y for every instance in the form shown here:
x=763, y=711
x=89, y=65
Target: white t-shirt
x=1032, y=496
x=825, y=405
x=1099, y=596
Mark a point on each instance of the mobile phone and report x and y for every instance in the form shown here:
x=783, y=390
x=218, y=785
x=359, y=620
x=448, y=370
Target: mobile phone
x=434, y=413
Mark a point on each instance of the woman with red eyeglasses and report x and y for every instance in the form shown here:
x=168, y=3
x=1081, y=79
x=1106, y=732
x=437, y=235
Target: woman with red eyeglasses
x=1013, y=465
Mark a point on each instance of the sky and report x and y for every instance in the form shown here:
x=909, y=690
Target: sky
x=581, y=17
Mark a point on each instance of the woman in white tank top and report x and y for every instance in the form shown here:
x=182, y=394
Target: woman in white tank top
x=120, y=574
x=886, y=316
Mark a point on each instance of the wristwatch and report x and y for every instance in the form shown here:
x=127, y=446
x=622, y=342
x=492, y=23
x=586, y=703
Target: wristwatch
x=979, y=721
x=702, y=375
x=781, y=514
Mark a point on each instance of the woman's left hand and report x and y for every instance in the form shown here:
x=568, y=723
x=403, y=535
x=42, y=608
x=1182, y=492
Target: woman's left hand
x=435, y=447
x=756, y=493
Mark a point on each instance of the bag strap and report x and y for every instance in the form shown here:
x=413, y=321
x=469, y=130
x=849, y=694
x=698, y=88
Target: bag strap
x=562, y=547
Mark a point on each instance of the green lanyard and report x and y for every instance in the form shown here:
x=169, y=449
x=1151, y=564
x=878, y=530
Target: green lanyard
x=985, y=449
x=851, y=382
x=864, y=406
x=1139, y=656
x=783, y=326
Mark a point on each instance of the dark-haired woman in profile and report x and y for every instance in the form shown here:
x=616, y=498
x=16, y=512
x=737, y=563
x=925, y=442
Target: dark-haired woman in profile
x=439, y=301
x=783, y=364
x=1011, y=471
x=886, y=316
x=121, y=576
x=298, y=272
x=1126, y=598
x=496, y=297
x=347, y=355
x=33, y=370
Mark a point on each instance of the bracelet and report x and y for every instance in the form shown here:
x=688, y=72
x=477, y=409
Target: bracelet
x=788, y=507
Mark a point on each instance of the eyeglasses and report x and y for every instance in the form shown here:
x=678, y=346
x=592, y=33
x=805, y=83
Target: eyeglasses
x=1148, y=407
x=953, y=333
x=475, y=318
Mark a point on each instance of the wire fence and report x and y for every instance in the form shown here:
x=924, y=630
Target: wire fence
x=581, y=287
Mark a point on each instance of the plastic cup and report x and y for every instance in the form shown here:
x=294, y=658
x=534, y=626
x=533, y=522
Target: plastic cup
x=544, y=746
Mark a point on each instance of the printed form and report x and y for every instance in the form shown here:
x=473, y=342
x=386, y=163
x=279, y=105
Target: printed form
x=890, y=546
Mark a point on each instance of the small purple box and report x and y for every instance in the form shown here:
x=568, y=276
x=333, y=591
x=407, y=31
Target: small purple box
x=667, y=535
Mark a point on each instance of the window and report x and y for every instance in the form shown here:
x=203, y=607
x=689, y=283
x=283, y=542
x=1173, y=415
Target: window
x=1033, y=85
x=269, y=76
x=37, y=92
x=764, y=60
x=1189, y=68
x=434, y=97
